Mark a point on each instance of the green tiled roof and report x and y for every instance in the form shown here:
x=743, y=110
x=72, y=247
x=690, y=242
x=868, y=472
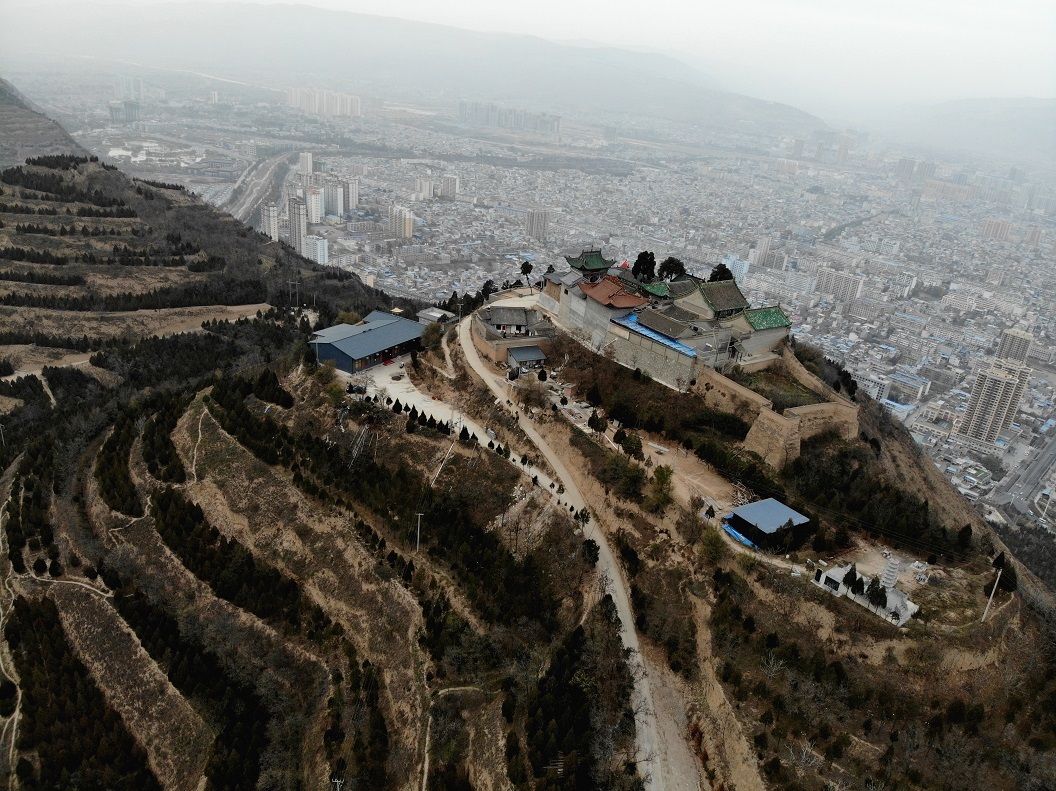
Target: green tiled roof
x=673, y=289
x=659, y=288
x=590, y=260
x=767, y=318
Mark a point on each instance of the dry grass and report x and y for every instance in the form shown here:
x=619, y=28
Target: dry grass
x=176, y=739
x=132, y=324
x=315, y=544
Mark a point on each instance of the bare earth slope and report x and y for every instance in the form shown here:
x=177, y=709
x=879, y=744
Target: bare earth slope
x=24, y=132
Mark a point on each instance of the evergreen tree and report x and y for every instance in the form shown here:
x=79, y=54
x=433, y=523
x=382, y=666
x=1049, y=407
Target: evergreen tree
x=671, y=268
x=720, y=272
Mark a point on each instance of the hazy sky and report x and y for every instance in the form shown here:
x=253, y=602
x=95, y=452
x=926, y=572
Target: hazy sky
x=815, y=53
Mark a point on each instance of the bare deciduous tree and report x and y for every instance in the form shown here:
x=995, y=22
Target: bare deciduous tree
x=772, y=665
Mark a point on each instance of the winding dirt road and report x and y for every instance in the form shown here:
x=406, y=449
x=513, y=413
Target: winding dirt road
x=646, y=732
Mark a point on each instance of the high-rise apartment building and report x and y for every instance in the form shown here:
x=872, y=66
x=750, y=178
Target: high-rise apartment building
x=401, y=222
x=298, y=224
x=762, y=251
x=423, y=189
x=351, y=188
x=843, y=286
x=537, y=224
x=334, y=198
x=797, y=148
x=269, y=221
x=905, y=168
x=324, y=102
x=841, y=155
x=993, y=404
x=1015, y=346
x=304, y=162
x=997, y=230
x=313, y=197
x=450, y=187
x=924, y=171
x=738, y=266
x=316, y=248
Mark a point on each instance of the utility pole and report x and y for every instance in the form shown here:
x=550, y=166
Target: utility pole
x=991, y=599
x=418, y=542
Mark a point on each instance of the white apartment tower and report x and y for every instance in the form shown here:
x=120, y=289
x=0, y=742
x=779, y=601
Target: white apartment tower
x=994, y=403
x=423, y=188
x=304, y=162
x=351, y=189
x=843, y=286
x=313, y=197
x=269, y=221
x=298, y=224
x=762, y=251
x=317, y=249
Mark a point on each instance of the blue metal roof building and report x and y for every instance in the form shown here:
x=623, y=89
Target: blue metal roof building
x=630, y=321
x=766, y=523
x=379, y=337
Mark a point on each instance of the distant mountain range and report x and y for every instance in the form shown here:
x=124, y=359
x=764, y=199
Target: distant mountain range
x=304, y=45
x=1020, y=130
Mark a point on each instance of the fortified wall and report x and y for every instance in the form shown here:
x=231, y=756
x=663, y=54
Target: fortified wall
x=666, y=366
x=777, y=437
x=726, y=395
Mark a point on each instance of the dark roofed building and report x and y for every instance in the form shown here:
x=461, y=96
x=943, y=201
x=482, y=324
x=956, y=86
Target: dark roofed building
x=506, y=321
x=379, y=337
x=590, y=263
x=769, y=524
x=526, y=357
x=664, y=324
x=723, y=297
x=673, y=289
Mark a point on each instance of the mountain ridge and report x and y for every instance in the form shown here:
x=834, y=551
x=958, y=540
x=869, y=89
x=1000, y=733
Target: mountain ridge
x=398, y=56
x=28, y=132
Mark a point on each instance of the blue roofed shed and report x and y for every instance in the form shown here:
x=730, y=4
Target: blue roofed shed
x=379, y=337
x=769, y=523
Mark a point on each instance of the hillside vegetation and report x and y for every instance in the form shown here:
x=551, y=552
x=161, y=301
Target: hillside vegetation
x=79, y=239
x=824, y=693
x=199, y=487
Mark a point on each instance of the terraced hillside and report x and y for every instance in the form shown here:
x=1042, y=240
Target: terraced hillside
x=239, y=555
x=90, y=259
x=209, y=574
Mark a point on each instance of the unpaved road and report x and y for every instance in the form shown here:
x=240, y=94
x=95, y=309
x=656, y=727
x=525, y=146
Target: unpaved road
x=646, y=732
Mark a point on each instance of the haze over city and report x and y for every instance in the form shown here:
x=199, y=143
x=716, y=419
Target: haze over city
x=826, y=56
